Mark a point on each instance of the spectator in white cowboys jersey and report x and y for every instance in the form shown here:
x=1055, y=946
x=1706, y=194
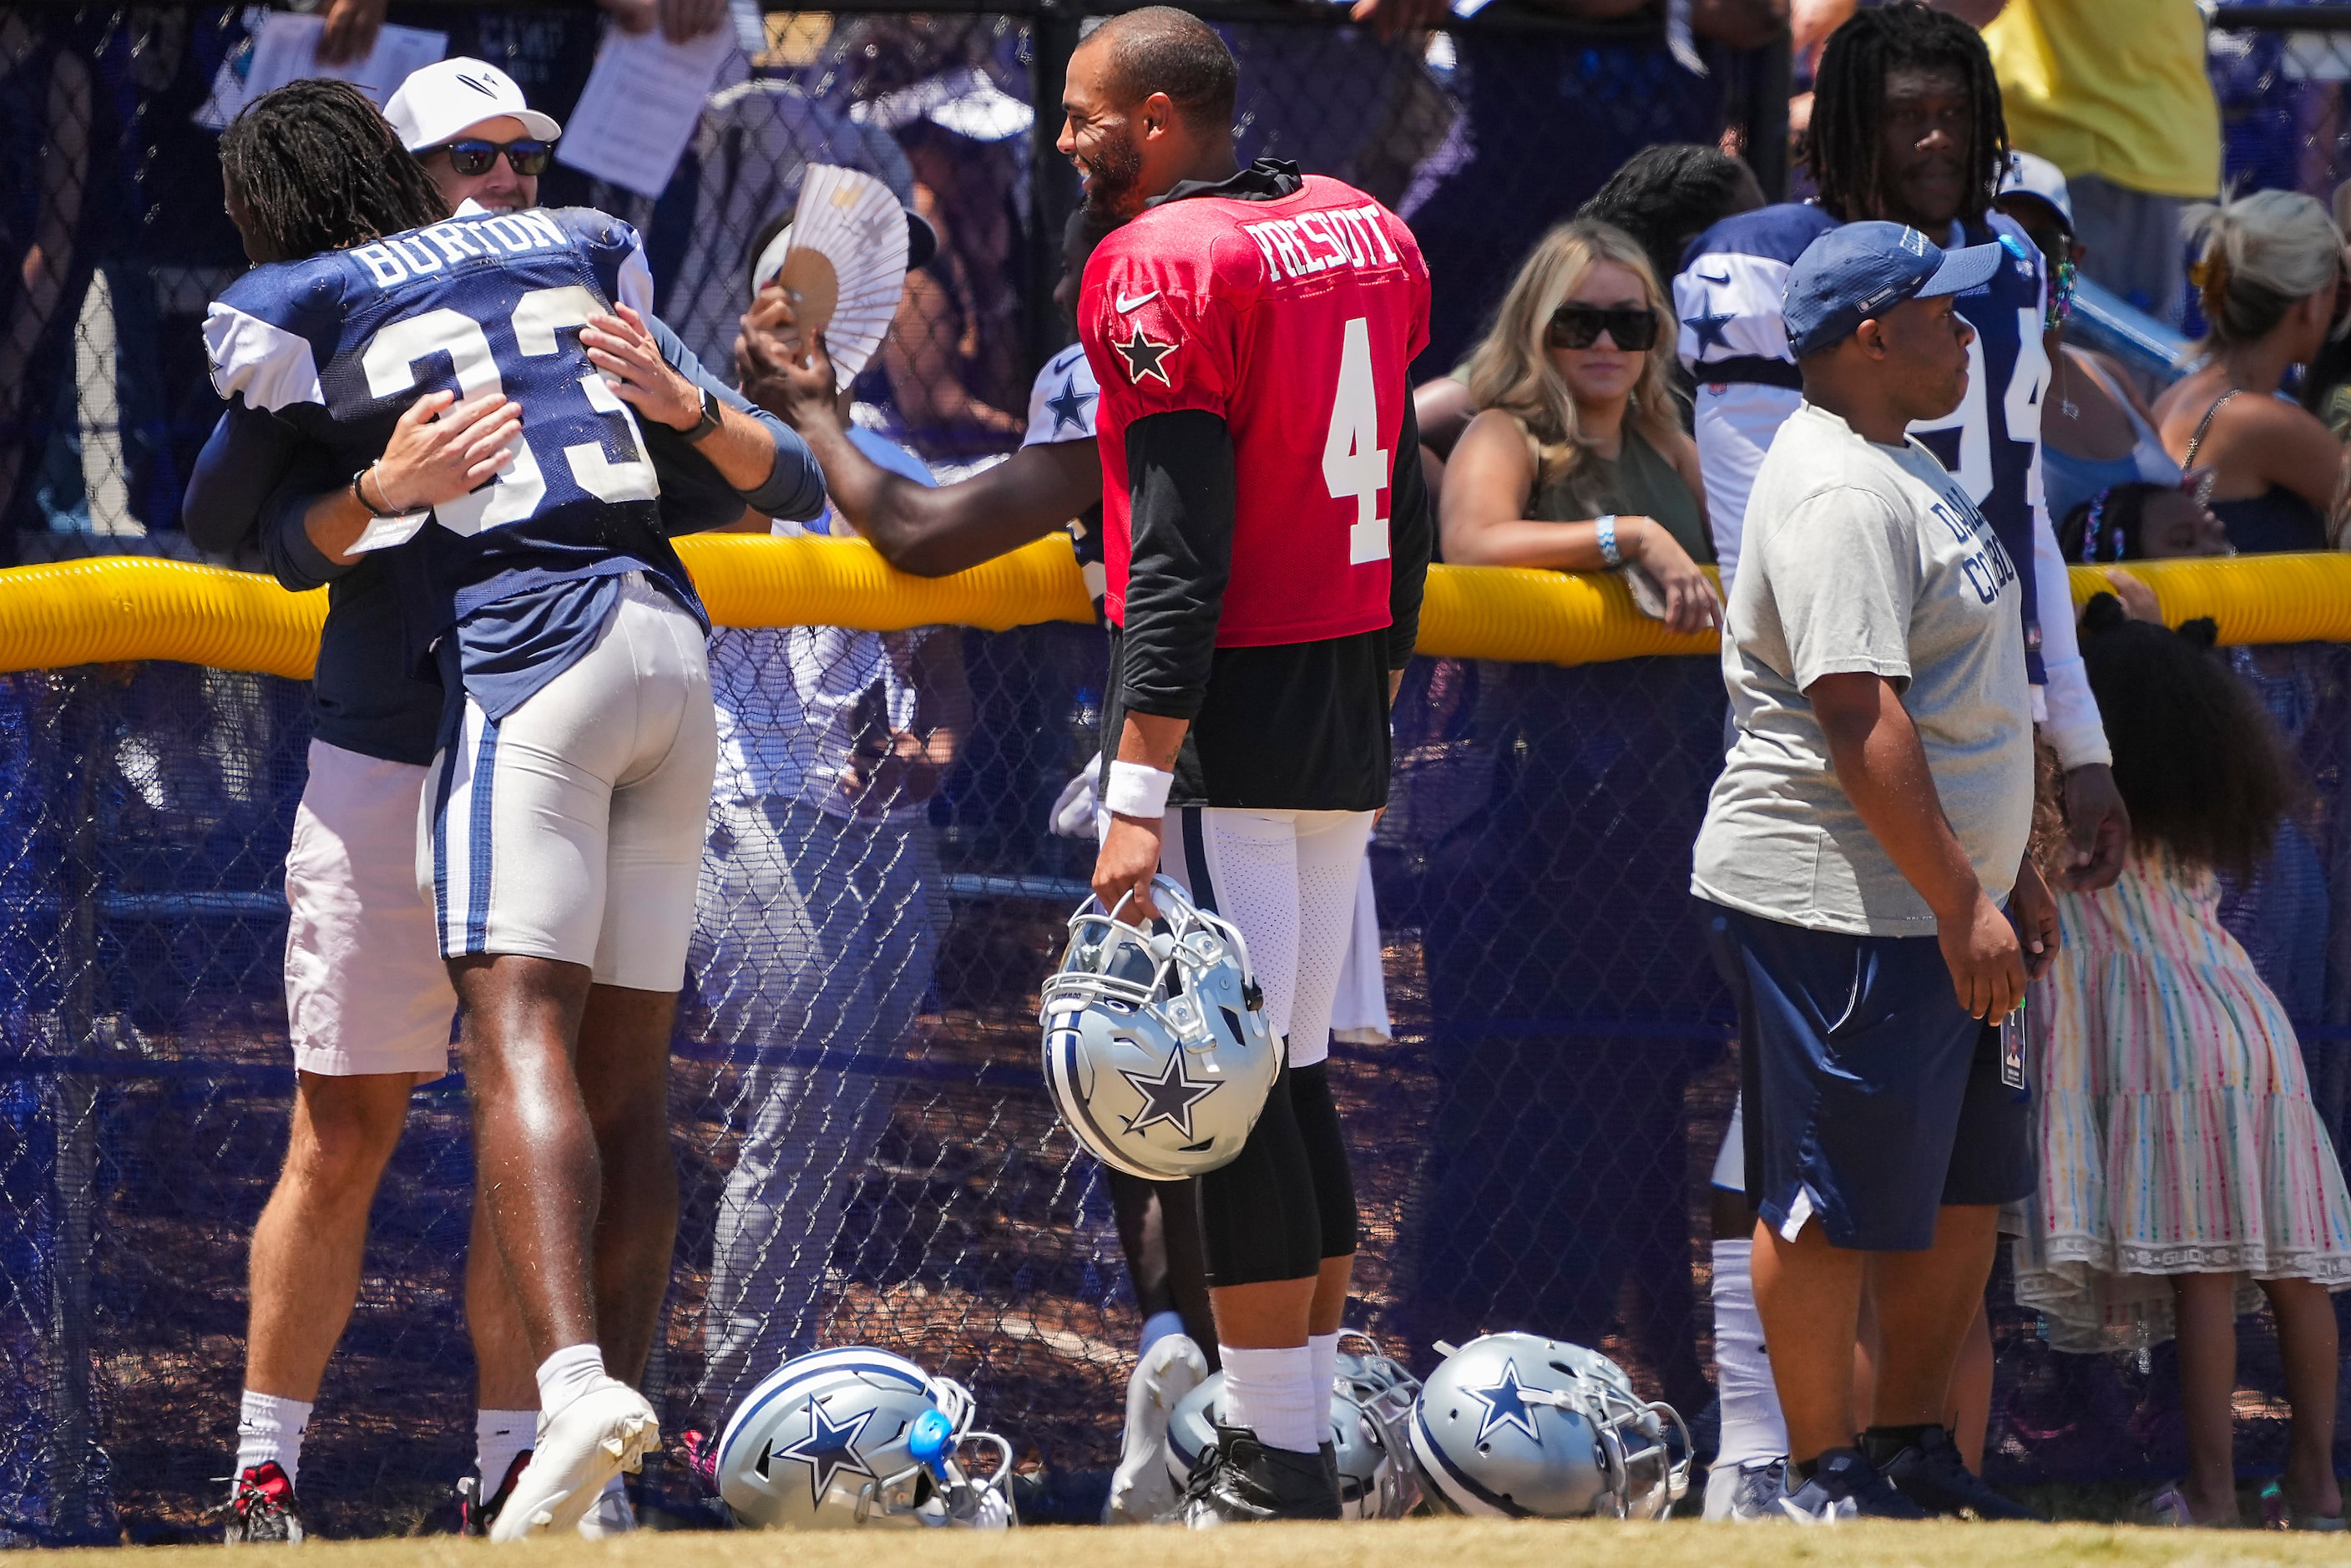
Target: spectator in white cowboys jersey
x=817, y=922
x=1906, y=127
x=561, y=840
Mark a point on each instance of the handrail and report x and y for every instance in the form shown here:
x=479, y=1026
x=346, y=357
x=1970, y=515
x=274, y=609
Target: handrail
x=108, y=609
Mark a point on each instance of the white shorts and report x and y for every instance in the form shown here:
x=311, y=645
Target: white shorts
x=365, y=992
x=1288, y=879
x=572, y=829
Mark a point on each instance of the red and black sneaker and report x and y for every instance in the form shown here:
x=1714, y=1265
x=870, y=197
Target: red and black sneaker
x=263, y=1508
x=701, y=1451
x=476, y=1514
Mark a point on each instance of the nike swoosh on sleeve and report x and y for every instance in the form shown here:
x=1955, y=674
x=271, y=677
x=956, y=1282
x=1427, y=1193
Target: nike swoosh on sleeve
x=1126, y=303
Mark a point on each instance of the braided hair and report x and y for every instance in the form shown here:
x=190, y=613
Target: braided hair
x=2198, y=761
x=1845, y=144
x=1667, y=195
x=319, y=169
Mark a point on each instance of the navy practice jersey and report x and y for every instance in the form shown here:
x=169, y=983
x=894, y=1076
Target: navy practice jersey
x=340, y=344
x=1728, y=296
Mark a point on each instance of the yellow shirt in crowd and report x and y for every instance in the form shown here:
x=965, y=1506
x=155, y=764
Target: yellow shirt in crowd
x=2111, y=87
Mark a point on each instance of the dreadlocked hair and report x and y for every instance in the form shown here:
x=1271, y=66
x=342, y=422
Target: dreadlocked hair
x=2197, y=759
x=1844, y=144
x=319, y=169
x=1667, y=195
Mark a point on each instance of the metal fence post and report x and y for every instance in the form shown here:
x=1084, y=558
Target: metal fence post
x=1053, y=186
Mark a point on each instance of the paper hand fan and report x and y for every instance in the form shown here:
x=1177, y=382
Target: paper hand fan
x=847, y=261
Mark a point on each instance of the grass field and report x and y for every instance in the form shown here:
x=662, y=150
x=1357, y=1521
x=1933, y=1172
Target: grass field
x=1414, y=1543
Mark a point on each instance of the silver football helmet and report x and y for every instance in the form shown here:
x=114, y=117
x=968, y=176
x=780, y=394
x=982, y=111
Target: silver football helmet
x=839, y=1438
x=1515, y=1426
x=1158, y=1047
x=1371, y=1403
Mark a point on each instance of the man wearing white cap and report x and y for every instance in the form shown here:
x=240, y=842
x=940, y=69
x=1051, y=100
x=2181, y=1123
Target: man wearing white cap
x=368, y=1000
x=466, y=122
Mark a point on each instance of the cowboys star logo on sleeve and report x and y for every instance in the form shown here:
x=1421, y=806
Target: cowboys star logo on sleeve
x=1144, y=355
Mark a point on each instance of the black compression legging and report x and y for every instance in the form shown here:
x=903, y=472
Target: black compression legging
x=1288, y=1200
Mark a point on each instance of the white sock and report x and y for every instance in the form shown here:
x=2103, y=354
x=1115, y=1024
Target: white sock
x=567, y=1374
x=1752, y=1427
x=499, y=1437
x=269, y=1428
x=1324, y=1348
x=1157, y=1327
x=1272, y=1393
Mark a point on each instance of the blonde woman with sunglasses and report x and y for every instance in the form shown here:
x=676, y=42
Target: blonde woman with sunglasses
x=1577, y=459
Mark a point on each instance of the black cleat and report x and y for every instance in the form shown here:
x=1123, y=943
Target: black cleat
x=1239, y=1480
x=475, y=1513
x=1843, y=1486
x=262, y=1509
x=1930, y=1473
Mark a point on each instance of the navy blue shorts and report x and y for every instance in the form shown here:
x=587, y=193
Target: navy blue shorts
x=1872, y=1099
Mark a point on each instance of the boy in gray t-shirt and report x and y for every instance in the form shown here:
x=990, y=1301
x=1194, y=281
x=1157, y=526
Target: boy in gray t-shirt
x=1867, y=829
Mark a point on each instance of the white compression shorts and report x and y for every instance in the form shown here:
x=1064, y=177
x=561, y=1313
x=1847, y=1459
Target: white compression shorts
x=365, y=992
x=1286, y=879
x=572, y=829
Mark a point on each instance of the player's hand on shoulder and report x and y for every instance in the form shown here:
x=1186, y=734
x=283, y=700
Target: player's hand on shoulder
x=622, y=347
x=442, y=449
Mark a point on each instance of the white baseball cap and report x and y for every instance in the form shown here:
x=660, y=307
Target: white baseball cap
x=437, y=103
x=2028, y=174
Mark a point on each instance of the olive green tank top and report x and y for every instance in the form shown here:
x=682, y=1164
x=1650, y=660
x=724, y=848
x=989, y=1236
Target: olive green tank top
x=1638, y=482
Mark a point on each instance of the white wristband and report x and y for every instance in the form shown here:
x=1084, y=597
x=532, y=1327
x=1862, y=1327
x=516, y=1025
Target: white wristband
x=1137, y=789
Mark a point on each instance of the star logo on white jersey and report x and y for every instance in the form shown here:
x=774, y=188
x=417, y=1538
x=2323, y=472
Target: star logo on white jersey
x=1145, y=356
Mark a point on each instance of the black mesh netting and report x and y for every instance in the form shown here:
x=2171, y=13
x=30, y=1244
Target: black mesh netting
x=868, y=1152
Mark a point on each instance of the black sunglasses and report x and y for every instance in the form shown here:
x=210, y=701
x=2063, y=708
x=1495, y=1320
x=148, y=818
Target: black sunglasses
x=524, y=157
x=1579, y=326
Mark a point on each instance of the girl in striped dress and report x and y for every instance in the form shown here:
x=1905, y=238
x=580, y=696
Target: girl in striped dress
x=2185, y=1173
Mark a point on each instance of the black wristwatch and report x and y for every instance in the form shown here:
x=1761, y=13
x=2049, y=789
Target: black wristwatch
x=711, y=409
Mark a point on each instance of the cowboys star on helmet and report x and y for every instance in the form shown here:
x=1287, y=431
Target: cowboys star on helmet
x=1515, y=1426
x=858, y=1437
x=1158, y=1047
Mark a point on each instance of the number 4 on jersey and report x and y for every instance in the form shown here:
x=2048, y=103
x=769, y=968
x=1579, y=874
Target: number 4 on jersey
x=1353, y=464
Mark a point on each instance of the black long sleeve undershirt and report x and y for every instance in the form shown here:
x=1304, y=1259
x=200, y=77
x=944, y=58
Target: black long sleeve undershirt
x=1293, y=726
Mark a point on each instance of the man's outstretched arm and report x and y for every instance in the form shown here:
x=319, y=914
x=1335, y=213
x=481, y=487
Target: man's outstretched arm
x=927, y=530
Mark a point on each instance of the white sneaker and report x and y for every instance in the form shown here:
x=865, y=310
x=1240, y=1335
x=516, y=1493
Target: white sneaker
x=607, y=1429
x=611, y=1513
x=1746, y=1492
x=1141, y=1489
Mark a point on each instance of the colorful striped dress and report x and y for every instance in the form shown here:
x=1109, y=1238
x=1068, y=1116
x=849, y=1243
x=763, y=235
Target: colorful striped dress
x=2177, y=1133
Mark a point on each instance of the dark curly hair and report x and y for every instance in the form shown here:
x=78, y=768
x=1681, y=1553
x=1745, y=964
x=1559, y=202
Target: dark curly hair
x=2201, y=766
x=1667, y=195
x=319, y=169
x=1849, y=97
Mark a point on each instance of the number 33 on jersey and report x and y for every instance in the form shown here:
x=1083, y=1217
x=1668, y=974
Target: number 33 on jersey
x=1294, y=321
x=340, y=344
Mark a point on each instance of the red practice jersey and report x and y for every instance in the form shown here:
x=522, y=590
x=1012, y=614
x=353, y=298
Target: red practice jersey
x=1293, y=320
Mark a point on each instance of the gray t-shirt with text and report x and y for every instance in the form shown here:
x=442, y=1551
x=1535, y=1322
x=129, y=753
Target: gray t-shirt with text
x=1864, y=558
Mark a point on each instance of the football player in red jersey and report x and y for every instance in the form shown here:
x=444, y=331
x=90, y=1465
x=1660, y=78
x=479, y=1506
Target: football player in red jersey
x=1266, y=533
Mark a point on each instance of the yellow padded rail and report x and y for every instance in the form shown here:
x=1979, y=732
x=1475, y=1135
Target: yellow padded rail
x=116, y=608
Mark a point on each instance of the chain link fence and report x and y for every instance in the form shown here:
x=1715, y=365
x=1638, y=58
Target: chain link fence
x=868, y=1153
